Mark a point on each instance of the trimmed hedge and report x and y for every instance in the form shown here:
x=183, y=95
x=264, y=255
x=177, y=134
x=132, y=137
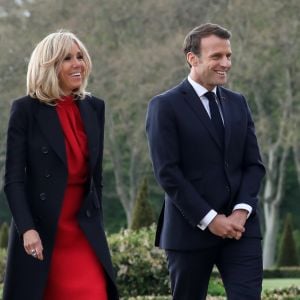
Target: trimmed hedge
x=283, y=272
x=4, y=235
x=288, y=255
x=143, y=214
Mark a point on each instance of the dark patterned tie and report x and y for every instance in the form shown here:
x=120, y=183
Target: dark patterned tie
x=215, y=115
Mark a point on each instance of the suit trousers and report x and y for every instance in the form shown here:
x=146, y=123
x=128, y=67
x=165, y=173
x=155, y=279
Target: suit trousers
x=239, y=263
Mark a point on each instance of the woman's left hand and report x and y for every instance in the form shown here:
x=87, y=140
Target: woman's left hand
x=33, y=244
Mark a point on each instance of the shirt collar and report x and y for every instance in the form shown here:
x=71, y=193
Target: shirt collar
x=199, y=89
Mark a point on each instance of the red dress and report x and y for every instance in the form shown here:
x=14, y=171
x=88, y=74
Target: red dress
x=75, y=271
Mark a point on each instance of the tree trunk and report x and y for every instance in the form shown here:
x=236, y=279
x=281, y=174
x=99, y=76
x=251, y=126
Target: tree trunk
x=127, y=170
x=276, y=157
x=121, y=190
x=272, y=197
x=269, y=246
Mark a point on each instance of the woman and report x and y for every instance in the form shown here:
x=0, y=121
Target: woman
x=57, y=248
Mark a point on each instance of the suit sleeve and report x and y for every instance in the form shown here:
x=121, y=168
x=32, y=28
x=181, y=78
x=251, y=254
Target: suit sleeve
x=15, y=169
x=253, y=168
x=164, y=144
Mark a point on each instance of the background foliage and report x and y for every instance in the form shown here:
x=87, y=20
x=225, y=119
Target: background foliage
x=136, y=50
x=142, y=215
x=287, y=255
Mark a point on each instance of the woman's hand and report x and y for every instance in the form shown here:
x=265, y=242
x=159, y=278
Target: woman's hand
x=33, y=244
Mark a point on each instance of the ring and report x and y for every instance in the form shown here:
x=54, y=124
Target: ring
x=33, y=253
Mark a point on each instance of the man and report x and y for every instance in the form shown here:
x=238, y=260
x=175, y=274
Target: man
x=206, y=158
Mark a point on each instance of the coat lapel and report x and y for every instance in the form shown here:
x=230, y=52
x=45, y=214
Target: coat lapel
x=91, y=126
x=195, y=103
x=50, y=126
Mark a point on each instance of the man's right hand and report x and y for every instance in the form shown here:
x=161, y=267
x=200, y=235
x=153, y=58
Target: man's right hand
x=225, y=228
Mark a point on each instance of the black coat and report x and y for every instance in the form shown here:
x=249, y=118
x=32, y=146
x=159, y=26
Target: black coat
x=35, y=181
x=197, y=173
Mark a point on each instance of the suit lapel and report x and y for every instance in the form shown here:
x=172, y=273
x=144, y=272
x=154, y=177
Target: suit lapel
x=50, y=126
x=91, y=126
x=195, y=103
x=226, y=115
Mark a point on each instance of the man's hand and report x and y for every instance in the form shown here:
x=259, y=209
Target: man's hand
x=239, y=217
x=33, y=244
x=225, y=227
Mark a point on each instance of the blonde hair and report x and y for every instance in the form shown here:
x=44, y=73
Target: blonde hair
x=45, y=62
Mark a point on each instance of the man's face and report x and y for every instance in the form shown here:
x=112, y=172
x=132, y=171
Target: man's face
x=211, y=67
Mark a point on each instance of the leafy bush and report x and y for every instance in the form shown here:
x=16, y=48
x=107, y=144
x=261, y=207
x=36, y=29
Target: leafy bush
x=216, y=287
x=141, y=268
x=2, y=264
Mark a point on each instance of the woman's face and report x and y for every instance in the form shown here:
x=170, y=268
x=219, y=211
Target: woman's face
x=71, y=71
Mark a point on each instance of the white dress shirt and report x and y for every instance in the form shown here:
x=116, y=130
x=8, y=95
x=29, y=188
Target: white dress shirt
x=200, y=91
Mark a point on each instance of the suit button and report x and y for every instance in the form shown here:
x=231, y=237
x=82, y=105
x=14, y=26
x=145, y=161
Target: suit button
x=88, y=213
x=228, y=188
x=226, y=164
x=47, y=175
x=43, y=196
x=45, y=150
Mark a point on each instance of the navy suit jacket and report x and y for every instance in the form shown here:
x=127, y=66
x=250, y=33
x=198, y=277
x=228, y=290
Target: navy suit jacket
x=195, y=171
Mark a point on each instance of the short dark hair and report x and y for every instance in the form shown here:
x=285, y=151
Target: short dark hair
x=192, y=42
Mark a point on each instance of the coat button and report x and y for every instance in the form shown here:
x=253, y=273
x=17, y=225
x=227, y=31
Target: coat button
x=88, y=213
x=47, y=175
x=45, y=150
x=228, y=188
x=43, y=196
x=226, y=164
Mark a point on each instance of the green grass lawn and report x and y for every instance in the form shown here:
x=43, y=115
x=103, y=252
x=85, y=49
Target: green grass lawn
x=274, y=283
